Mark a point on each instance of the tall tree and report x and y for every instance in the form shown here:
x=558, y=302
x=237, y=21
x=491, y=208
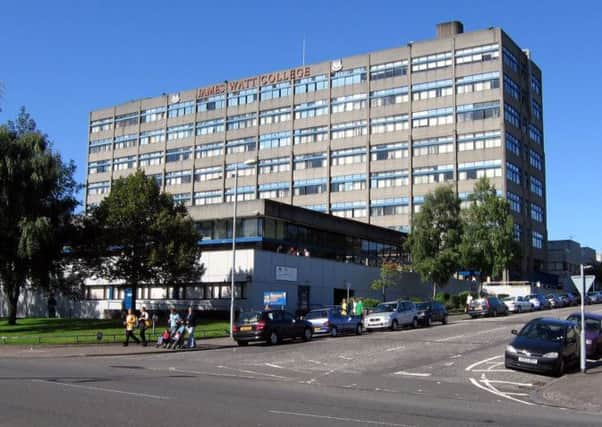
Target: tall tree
x=37, y=199
x=435, y=236
x=488, y=243
x=140, y=236
x=389, y=277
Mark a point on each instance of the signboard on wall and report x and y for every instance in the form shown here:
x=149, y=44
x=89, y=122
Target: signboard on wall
x=274, y=298
x=288, y=274
x=127, y=300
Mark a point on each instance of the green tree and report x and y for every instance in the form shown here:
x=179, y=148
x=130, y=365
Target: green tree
x=37, y=199
x=389, y=277
x=435, y=236
x=488, y=243
x=140, y=235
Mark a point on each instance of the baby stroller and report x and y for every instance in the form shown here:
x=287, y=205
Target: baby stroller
x=164, y=339
x=177, y=338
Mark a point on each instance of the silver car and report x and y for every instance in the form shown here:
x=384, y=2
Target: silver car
x=392, y=315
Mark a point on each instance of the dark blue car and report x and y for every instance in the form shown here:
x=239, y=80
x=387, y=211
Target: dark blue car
x=330, y=320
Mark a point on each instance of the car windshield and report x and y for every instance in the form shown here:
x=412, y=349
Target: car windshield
x=250, y=316
x=592, y=325
x=543, y=331
x=385, y=307
x=318, y=314
x=423, y=306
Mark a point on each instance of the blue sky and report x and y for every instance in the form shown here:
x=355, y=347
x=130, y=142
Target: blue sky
x=62, y=59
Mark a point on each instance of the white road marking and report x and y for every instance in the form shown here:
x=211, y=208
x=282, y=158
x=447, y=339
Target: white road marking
x=496, y=392
x=456, y=356
x=470, y=367
x=210, y=374
x=511, y=383
x=506, y=395
x=272, y=365
x=449, y=363
x=341, y=356
x=450, y=338
x=412, y=374
x=245, y=371
x=345, y=419
x=396, y=348
x=106, y=390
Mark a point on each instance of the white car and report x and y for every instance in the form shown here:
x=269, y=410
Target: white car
x=392, y=315
x=518, y=304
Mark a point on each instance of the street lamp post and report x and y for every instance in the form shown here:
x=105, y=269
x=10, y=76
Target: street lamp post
x=249, y=162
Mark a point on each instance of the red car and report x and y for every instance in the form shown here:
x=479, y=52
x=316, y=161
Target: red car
x=593, y=333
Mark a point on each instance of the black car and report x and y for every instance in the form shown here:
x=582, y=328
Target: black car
x=270, y=326
x=488, y=306
x=545, y=345
x=429, y=312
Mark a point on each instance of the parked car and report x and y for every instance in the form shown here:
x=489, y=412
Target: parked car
x=545, y=345
x=330, y=320
x=429, y=312
x=391, y=315
x=569, y=299
x=539, y=301
x=517, y=304
x=555, y=302
x=593, y=333
x=489, y=306
x=270, y=326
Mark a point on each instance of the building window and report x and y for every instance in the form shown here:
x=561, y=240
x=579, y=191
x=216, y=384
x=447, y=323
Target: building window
x=180, y=109
x=152, y=137
x=398, y=150
x=307, y=135
x=347, y=183
x=182, y=199
x=433, y=146
x=433, y=174
x=101, y=187
x=100, y=146
x=123, y=163
x=152, y=115
x=279, y=90
x=208, y=174
x=510, y=60
x=480, y=169
x=535, y=84
x=477, y=82
x=388, y=207
x=478, y=54
x=210, y=103
x=178, y=154
x=479, y=111
x=349, y=77
x=349, y=129
x=309, y=186
x=208, y=127
x=535, y=134
x=511, y=87
x=388, y=70
x=516, y=232
x=389, y=124
x=178, y=177
x=512, y=144
x=123, y=120
x=536, y=212
x=535, y=160
x=479, y=141
x=209, y=150
x=537, y=240
x=434, y=89
x=388, y=179
x=512, y=116
x=242, y=97
x=536, y=109
x=440, y=116
x=274, y=190
x=242, y=168
x=125, y=141
x=241, y=121
x=243, y=145
x=515, y=202
x=311, y=109
x=382, y=98
x=100, y=166
x=430, y=62
x=207, y=197
x=348, y=103
x=536, y=186
x=349, y=209
x=310, y=161
x=278, y=115
x=242, y=193
x=348, y=156
x=311, y=84
x=180, y=132
x=101, y=125
x=513, y=173
x=151, y=159
x=276, y=165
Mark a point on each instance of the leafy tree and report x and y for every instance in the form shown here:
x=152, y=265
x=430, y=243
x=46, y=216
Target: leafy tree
x=389, y=277
x=37, y=199
x=488, y=243
x=140, y=235
x=435, y=236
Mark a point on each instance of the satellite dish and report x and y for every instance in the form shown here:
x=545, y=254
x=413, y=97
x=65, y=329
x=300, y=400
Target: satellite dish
x=175, y=98
x=336, y=65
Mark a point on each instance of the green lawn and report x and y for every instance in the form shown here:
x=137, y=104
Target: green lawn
x=83, y=331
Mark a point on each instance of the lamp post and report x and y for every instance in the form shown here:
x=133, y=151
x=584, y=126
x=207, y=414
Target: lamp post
x=582, y=348
x=249, y=162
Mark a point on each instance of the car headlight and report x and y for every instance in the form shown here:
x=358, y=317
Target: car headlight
x=588, y=342
x=510, y=349
x=421, y=314
x=551, y=355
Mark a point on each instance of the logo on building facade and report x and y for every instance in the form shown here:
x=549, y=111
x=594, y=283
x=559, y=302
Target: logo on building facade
x=336, y=65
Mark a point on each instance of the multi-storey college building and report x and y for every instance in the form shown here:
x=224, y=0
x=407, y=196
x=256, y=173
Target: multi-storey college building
x=363, y=137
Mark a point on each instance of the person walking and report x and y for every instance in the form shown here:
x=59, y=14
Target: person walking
x=130, y=323
x=144, y=323
x=344, y=307
x=190, y=321
x=174, y=319
x=359, y=307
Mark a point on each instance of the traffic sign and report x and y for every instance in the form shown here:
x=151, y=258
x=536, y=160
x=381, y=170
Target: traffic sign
x=589, y=280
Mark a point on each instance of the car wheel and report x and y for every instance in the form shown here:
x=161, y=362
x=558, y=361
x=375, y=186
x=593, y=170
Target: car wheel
x=242, y=343
x=307, y=334
x=414, y=323
x=394, y=325
x=444, y=321
x=428, y=322
x=560, y=371
x=273, y=339
x=334, y=332
x=359, y=329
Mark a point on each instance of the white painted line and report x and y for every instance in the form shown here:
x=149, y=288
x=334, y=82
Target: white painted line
x=494, y=391
x=491, y=370
x=107, y=390
x=516, y=394
x=506, y=395
x=272, y=365
x=412, y=374
x=210, y=374
x=449, y=363
x=450, y=338
x=396, y=348
x=456, y=356
x=511, y=383
x=345, y=419
x=245, y=371
x=469, y=368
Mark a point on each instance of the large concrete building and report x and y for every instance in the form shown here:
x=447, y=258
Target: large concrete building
x=363, y=137
x=565, y=258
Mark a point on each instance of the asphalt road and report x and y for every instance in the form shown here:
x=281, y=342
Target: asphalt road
x=448, y=375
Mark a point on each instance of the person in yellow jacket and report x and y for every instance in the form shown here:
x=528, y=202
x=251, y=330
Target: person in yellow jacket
x=130, y=324
x=344, y=307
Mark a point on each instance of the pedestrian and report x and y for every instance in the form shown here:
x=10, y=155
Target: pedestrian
x=468, y=301
x=344, y=307
x=144, y=323
x=190, y=326
x=174, y=319
x=359, y=307
x=130, y=324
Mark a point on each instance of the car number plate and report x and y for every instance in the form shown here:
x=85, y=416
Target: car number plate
x=527, y=360
x=246, y=328
x=317, y=329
